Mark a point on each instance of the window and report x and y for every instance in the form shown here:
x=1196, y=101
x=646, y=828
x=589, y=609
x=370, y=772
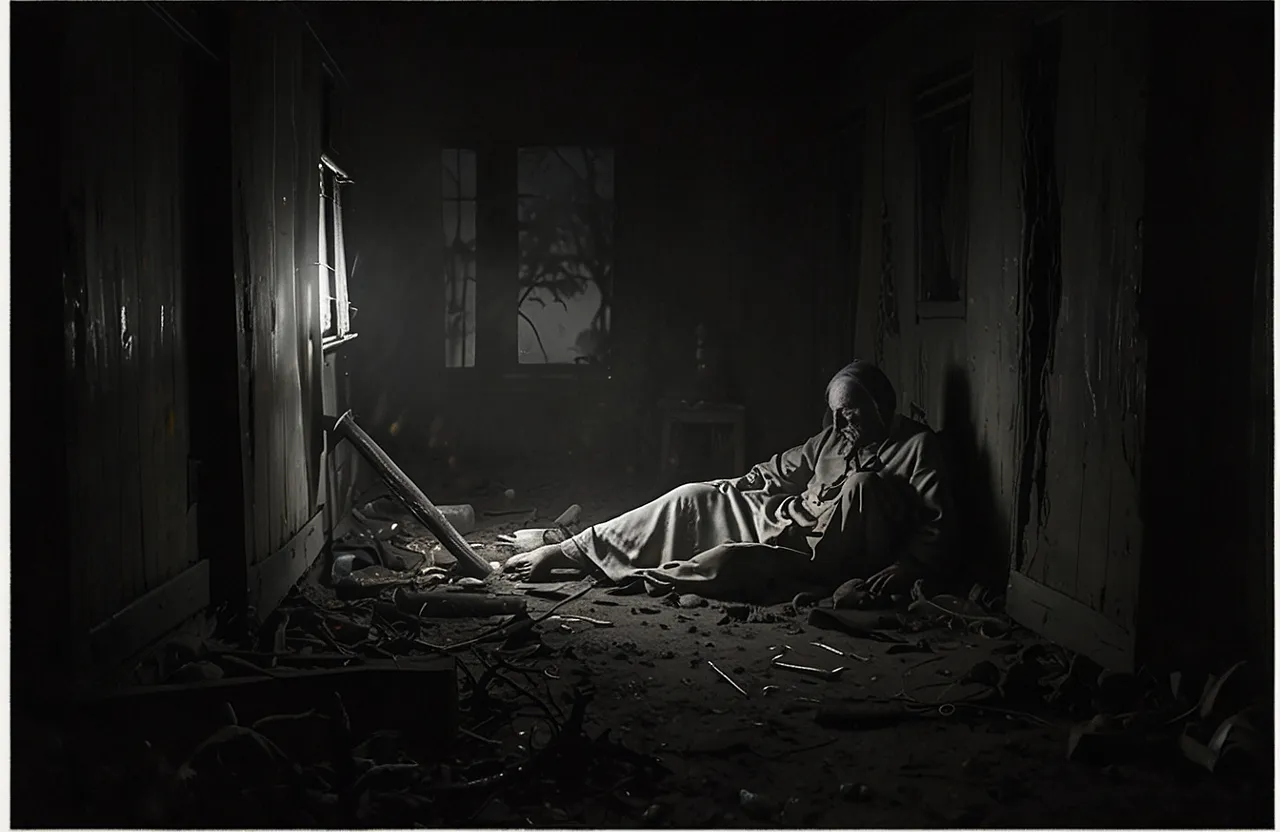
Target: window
x=458, y=180
x=565, y=219
x=335, y=311
x=941, y=115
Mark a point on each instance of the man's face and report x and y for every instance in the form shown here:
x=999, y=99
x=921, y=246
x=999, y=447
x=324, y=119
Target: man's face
x=854, y=414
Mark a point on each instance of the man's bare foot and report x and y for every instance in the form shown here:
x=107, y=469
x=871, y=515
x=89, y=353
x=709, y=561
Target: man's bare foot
x=536, y=566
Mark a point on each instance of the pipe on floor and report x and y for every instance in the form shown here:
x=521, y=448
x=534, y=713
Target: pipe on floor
x=469, y=563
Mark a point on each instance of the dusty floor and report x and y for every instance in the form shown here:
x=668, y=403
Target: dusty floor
x=653, y=697
x=655, y=690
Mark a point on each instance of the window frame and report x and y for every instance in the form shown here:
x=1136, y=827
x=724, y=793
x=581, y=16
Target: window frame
x=335, y=309
x=497, y=263
x=459, y=201
x=943, y=98
x=569, y=369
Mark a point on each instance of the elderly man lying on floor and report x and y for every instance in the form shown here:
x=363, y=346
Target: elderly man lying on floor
x=866, y=498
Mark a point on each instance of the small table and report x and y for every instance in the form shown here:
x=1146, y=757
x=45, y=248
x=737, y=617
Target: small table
x=706, y=413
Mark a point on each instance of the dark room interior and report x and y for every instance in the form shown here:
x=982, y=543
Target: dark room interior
x=678, y=415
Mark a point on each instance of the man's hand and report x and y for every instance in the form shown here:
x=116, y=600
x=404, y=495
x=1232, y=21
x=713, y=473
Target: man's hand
x=895, y=579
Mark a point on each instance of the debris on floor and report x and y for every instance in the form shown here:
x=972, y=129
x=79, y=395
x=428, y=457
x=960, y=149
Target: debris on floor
x=419, y=696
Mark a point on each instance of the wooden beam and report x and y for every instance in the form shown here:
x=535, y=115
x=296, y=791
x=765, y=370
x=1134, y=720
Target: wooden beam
x=1069, y=623
x=271, y=580
x=416, y=694
x=155, y=614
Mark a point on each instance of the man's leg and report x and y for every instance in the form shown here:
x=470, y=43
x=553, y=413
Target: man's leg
x=675, y=527
x=857, y=538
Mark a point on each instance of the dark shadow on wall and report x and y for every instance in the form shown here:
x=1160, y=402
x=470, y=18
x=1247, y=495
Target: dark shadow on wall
x=981, y=548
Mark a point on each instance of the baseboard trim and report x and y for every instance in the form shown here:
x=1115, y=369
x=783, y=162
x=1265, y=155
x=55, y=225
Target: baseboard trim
x=1069, y=623
x=152, y=616
x=271, y=580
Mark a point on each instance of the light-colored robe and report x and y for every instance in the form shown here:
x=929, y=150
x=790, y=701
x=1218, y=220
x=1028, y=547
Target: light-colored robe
x=810, y=518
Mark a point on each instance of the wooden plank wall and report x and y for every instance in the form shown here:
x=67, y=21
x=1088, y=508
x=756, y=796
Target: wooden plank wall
x=962, y=372
x=125, y=349
x=276, y=96
x=1085, y=534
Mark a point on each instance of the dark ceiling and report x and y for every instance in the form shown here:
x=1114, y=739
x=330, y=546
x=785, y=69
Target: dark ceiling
x=702, y=30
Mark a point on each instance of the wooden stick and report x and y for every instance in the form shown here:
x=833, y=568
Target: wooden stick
x=469, y=563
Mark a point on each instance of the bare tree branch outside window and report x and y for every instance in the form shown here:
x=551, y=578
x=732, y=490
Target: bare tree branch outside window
x=458, y=186
x=565, y=209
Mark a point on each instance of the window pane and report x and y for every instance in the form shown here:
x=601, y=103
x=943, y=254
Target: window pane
x=328, y=256
x=449, y=179
x=467, y=173
x=325, y=276
x=565, y=215
x=942, y=165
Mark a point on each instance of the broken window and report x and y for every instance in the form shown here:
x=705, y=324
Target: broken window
x=565, y=216
x=335, y=312
x=458, y=179
x=941, y=115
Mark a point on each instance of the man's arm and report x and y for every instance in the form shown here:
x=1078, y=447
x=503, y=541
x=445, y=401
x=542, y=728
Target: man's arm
x=786, y=473
x=928, y=543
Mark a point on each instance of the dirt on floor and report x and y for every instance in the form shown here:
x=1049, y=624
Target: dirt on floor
x=656, y=690
x=614, y=710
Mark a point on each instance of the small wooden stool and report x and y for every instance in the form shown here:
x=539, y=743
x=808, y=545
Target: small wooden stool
x=706, y=413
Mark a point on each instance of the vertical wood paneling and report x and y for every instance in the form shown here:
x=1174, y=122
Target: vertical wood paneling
x=897, y=188
x=1005, y=442
x=286, y=422
x=993, y=322
x=1123, y=340
x=961, y=372
x=151, y=268
x=125, y=354
x=82, y=347
x=306, y=134
x=1088, y=542
x=275, y=112
x=119, y=227
x=1091, y=501
x=162, y=413
x=872, y=255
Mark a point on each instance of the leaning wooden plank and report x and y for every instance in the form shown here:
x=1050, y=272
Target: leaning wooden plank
x=469, y=562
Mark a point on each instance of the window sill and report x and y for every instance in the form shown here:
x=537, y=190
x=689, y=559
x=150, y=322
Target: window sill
x=330, y=344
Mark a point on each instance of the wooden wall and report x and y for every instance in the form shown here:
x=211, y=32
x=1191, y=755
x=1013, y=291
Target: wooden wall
x=132, y=515
x=1084, y=537
x=1038, y=388
x=144, y=201
x=962, y=372
x=1046, y=390
x=276, y=95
